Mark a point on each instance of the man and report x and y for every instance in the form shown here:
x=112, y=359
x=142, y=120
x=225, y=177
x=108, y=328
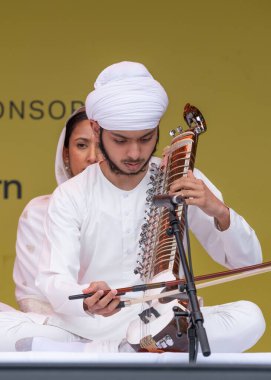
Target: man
x=94, y=222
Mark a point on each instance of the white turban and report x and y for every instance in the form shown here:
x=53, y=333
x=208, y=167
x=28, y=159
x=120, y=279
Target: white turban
x=126, y=97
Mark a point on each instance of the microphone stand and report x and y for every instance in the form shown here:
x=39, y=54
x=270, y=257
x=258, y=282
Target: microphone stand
x=196, y=331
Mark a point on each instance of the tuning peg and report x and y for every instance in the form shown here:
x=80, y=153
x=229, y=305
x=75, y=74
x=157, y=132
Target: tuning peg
x=172, y=133
x=180, y=129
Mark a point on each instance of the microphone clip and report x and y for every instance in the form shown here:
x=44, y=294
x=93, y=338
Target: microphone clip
x=168, y=201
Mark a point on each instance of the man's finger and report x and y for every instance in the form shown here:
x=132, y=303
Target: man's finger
x=107, y=299
x=110, y=309
x=93, y=300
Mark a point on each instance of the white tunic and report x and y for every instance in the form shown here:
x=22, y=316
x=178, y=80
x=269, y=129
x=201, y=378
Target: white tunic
x=92, y=233
x=29, y=243
x=30, y=237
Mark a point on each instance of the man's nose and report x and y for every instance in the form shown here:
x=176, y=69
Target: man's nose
x=134, y=151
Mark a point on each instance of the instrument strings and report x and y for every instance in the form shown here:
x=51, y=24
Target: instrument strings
x=159, y=251
x=165, y=255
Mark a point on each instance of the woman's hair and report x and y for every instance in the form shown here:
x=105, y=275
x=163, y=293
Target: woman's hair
x=78, y=116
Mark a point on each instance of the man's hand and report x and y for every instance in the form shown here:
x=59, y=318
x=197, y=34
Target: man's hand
x=198, y=194
x=99, y=303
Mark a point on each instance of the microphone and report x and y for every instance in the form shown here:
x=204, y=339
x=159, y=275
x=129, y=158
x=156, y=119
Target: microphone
x=168, y=201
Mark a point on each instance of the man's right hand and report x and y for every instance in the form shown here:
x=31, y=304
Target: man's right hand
x=99, y=303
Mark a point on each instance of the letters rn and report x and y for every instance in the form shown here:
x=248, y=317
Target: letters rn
x=10, y=188
x=38, y=109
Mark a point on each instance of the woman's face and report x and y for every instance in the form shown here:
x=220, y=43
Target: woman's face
x=83, y=148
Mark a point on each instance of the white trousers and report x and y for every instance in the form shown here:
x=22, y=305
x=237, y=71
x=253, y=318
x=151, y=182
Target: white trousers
x=16, y=325
x=231, y=327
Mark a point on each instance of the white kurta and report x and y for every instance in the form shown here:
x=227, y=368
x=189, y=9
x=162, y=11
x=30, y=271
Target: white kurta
x=92, y=233
x=29, y=243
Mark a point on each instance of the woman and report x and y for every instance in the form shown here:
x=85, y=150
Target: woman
x=77, y=148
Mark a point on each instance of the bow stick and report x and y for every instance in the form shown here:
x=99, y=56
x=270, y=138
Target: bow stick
x=130, y=302
x=246, y=271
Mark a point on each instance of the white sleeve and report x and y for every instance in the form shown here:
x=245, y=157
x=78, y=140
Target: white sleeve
x=60, y=261
x=30, y=236
x=235, y=247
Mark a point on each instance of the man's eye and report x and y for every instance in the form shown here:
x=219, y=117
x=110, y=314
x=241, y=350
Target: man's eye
x=120, y=141
x=146, y=139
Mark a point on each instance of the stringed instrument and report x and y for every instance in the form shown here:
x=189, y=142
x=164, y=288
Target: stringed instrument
x=159, y=260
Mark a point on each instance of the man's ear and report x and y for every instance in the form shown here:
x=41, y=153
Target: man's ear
x=96, y=128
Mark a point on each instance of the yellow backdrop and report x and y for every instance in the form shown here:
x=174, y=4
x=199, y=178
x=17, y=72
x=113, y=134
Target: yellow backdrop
x=214, y=54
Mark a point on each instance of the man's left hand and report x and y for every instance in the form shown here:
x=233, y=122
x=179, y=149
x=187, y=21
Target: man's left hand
x=196, y=193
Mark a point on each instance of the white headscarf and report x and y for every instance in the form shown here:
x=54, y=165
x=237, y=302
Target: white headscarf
x=126, y=97
x=61, y=173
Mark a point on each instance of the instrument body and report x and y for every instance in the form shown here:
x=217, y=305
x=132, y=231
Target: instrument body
x=160, y=335
x=159, y=260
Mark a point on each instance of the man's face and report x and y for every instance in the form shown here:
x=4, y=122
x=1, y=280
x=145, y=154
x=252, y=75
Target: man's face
x=128, y=152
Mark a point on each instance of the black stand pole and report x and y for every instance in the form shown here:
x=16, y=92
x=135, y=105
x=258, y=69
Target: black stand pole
x=196, y=332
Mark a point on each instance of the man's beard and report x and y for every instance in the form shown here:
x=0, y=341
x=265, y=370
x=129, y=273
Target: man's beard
x=114, y=168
